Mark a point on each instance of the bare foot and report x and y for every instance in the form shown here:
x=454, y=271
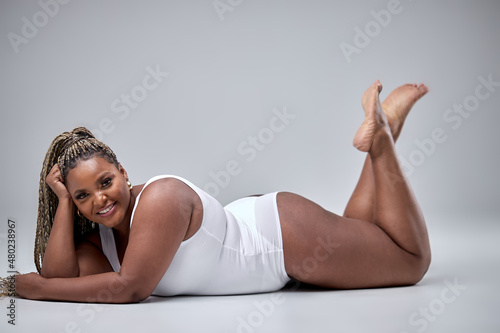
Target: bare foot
x=375, y=119
x=399, y=103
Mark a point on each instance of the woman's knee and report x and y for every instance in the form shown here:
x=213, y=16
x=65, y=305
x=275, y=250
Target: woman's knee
x=419, y=267
x=424, y=263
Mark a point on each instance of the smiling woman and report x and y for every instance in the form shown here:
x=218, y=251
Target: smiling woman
x=67, y=151
x=110, y=188
x=100, y=239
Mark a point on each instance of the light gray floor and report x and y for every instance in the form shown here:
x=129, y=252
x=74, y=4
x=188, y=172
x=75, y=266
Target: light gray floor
x=458, y=294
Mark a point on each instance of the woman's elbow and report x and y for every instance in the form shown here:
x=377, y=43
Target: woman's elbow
x=138, y=296
x=134, y=291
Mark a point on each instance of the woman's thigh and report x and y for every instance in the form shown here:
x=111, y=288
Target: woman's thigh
x=332, y=251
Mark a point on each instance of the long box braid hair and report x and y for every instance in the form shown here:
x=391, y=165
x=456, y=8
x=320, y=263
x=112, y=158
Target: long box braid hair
x=66, y=150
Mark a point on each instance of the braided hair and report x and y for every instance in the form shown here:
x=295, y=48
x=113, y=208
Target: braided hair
x=66, y=150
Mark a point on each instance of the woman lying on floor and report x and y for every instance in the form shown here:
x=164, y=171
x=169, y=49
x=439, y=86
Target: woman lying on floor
x=100, y=239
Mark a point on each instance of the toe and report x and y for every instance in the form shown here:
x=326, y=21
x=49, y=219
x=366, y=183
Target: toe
x=423, y=89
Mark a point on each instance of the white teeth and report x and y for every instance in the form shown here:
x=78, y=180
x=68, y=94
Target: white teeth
x=106, y=210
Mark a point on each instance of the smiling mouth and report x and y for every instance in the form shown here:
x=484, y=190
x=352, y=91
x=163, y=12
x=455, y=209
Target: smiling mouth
x=107, y=209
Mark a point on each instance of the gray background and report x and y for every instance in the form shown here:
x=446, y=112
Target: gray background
x=227, y=72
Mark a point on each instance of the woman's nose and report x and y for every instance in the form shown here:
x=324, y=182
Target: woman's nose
x=101, y=199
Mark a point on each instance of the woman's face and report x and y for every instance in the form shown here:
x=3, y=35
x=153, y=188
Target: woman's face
x=99, y=191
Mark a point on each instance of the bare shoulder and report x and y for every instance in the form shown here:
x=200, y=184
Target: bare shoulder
x=166, y=198
x=171, y=189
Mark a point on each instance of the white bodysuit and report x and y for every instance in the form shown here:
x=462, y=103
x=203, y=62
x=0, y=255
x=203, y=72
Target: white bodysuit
x=237, y=250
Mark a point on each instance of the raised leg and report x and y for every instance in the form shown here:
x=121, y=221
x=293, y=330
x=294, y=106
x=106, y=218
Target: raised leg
x=332, y=251
x=396, y=108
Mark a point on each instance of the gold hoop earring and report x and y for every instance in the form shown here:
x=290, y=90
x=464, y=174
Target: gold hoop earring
x=130, y=187
x=78, y=213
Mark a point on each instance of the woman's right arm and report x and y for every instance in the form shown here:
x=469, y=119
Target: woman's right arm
x=61, y=258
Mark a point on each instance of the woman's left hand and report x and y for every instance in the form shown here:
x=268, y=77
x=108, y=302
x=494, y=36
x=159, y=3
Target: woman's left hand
x=30, y=285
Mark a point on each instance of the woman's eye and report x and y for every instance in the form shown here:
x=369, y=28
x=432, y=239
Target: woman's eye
x=81, y=196
x=106, y=182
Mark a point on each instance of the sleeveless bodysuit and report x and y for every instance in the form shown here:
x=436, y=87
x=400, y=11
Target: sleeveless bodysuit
x=237, y=250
